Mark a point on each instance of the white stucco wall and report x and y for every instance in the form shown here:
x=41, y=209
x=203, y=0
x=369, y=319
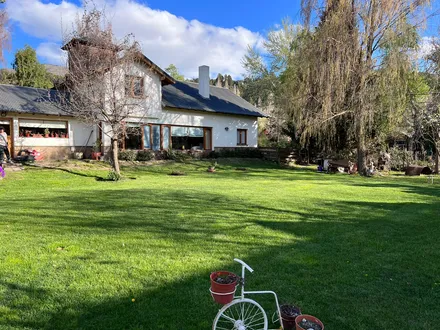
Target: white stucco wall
x=78, y=133
x=218, y=122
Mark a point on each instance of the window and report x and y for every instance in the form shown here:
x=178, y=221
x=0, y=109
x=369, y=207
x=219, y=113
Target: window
x=133, y=137
x=42, y=128
x=241, y=137
x=163, y=137
x=134, y=86
x=185, y=138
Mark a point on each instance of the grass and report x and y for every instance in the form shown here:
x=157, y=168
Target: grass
x=78, y=253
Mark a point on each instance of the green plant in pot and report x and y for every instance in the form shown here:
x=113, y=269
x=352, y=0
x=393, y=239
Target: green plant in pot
x=212, y=167
x=96, y=153
x=46, y=132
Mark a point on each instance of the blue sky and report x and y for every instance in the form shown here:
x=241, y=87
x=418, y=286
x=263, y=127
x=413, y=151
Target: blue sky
x=187, y=33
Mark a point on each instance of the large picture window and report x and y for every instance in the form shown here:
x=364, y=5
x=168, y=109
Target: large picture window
x=163, y=137
x=187, y=137
x=42, y=128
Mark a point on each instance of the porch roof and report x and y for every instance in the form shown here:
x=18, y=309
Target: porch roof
x=29, y=100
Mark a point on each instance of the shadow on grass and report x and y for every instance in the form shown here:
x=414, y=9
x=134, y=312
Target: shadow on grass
x=346, y=262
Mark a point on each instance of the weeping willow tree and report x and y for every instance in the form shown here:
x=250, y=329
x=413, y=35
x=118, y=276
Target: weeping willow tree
x=346, y=81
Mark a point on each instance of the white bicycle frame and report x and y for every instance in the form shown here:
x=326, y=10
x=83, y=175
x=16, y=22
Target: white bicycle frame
x=243, y=292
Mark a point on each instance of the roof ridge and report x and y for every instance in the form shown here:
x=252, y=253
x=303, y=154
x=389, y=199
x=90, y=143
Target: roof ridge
x=191, y=82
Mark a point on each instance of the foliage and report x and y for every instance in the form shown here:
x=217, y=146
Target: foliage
x=28, y=71
x=128, y=155
x=7, y=77
x=97, y=146
x=347, y=76
x=174, y=72
x=145, y=155
x=400, y=158
x=113, y=176
x=261, y=85
x=236, y=153
x=179, y=156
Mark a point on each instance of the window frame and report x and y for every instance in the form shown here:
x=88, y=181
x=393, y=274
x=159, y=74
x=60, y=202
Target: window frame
x=239, y=131
x=20, y=120
x=205, y=129
x=132, y=79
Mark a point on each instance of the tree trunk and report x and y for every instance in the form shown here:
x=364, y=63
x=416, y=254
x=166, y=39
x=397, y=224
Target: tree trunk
x=437, y=159
x=361, y=149
x=115, y=159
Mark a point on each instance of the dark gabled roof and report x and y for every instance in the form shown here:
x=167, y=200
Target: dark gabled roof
x=29, y=100
x=185, y=95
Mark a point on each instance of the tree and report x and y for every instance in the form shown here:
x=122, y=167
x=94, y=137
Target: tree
x=5, y=36
x=261, y=85
x=101, y=88
x=348, y=71
x=431, y=117
x=174, y=72
x=28, y=71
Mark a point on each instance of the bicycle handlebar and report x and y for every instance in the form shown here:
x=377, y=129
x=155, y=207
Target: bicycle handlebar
x=245, y=265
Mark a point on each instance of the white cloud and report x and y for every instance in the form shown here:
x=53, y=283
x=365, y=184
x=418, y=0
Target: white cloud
x=165, y=38
x=426, y=46
x=52, y=53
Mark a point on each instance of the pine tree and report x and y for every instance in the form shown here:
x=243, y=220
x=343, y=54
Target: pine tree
x=28, y=71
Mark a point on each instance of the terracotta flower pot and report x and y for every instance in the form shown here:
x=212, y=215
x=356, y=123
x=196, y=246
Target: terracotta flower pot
x=96, y=155
x=299, y=318
x=288, y=320
x=223, y=293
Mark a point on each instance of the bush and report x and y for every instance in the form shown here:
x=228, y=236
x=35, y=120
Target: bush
x=178, y=156
x=400, y=159
x=129, y=155
x=237, y=153
x=113, y=176
x=145, y=155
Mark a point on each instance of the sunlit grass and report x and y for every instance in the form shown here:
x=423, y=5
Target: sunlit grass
x=359, y=253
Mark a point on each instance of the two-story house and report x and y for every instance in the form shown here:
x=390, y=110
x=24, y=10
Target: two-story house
x=178, y=115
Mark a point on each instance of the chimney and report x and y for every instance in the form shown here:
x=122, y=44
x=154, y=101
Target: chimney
x=204, y=81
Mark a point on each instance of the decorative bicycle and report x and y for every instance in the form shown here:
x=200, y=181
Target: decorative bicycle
x=243, y=313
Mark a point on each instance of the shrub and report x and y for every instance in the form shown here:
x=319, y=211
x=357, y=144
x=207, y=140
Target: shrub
x=400, y=159
x=145, y=155
x=113, y=176
x=178, y=156
x=129, y=155
x=237, y=153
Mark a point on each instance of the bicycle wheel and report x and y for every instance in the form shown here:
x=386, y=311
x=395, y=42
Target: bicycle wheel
x=241, y=314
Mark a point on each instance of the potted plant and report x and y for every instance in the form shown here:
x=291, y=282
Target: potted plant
x=211, y=168
x=63, y=135
x=288, y=316
x=223, y=286
x=46, y=132
x=28, y=133
x=96, y=153
x=56, y=135
x=308, y=322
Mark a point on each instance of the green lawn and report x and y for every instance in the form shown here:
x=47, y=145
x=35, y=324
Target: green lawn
x=359, y=253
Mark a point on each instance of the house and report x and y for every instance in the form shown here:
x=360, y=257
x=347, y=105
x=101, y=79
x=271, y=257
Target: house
x=177, y=115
